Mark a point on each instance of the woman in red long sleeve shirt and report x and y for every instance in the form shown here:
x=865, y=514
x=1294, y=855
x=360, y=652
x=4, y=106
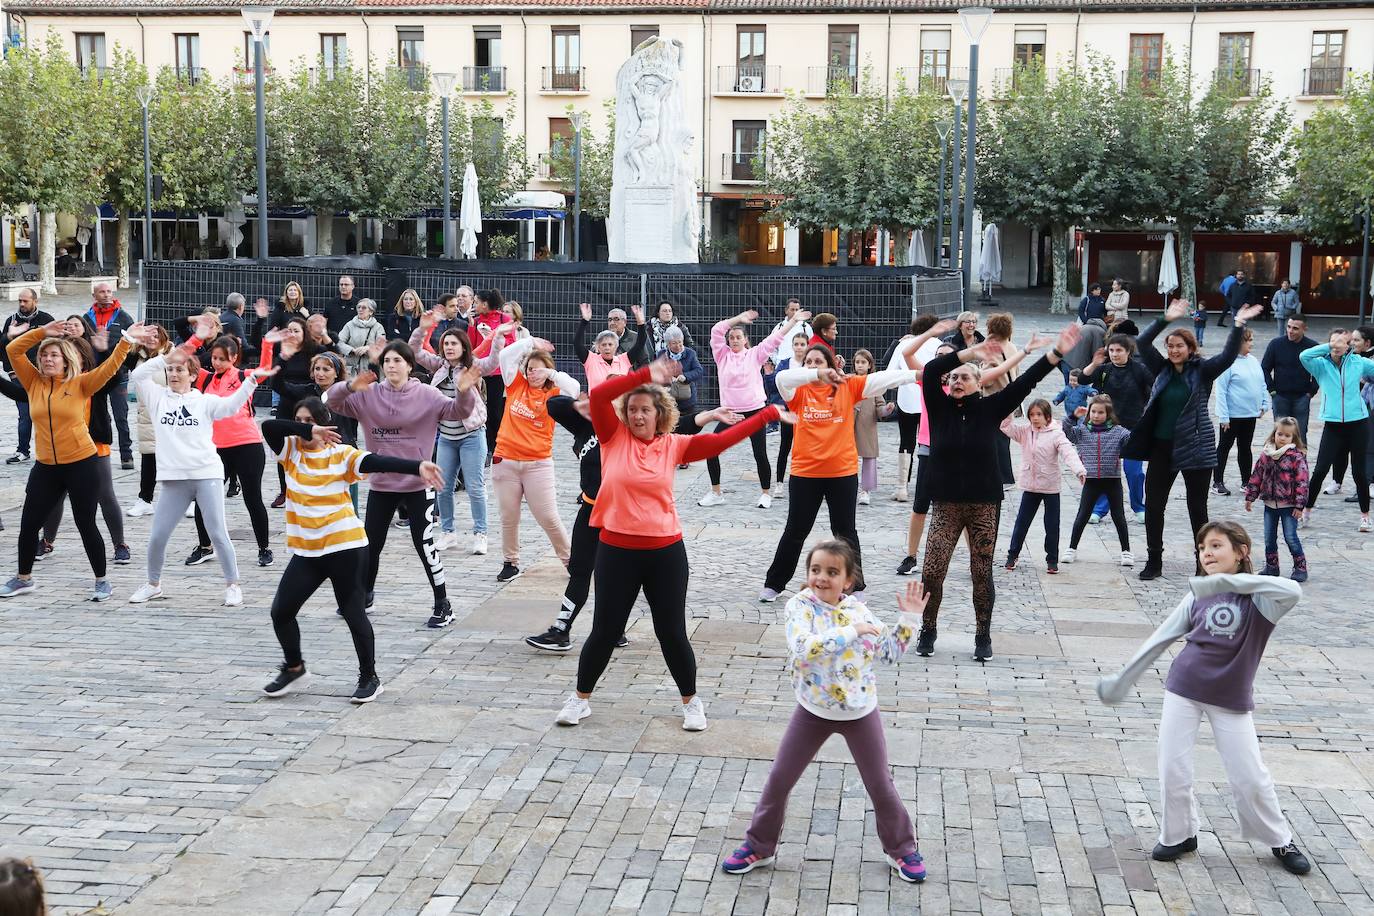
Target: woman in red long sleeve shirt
x=641, y=536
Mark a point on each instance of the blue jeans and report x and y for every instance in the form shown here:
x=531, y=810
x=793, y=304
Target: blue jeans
x=471, y=454
x=1135, y=485
x=1295, y=406
x=1272, y=519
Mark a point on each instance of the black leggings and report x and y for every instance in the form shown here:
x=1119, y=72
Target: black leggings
x=586, y=541
x=301, y=579
x=784, y=450
x=105, y=497
x=147, y=476
x=620, y=574
x=419, y=506
x=46, y=486
x=804, y=498
x=496, y=409
x=758, y=442
x=908, y=426
x=1343, y=440
x=246, y=463
x=1241, y=431
x=1159, y=480
x=1093, y=488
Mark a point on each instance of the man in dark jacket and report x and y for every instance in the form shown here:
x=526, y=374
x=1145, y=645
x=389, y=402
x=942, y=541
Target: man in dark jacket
x=449, y=305
x=1238, y=297
x=26, y=319
x=232, y=316
x=1290, y=385
x=1092, y=305
x=342, y=309
x=107, y=315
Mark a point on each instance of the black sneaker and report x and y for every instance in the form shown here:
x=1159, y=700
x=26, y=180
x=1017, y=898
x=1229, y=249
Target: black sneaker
x=982, y=648
x=369, y=688
x=286, y=680
x=44, y=548
x=622, y=642
x=17, y=458
x=200, y=555
x=367, y=604
x=509, y=571
x=1164, y=853
x=1219, y=488
x=265, y=557
x=1010, y=564
x=279, y=501
x=551, y=640
x=442, y=616
x=925, y=643
x=233, y=490
x=1292, y=858
x=907, y=567
x=1352, y=498
x=127, y=464
x=121, y=555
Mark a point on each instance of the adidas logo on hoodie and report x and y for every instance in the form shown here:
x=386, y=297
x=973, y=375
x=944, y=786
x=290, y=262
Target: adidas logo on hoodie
x=179, y=417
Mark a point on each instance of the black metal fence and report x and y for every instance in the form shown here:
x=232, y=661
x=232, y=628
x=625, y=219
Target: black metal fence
x=873, y=306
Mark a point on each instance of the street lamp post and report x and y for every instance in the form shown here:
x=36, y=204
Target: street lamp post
x=443, y=84
x=577, y=118
x=144, y=94
x=1364, y=265
x=975, y=20
x=258, y=19
x=957, y=88
x=942, y=129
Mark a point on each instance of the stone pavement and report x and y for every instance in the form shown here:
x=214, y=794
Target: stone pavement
x=141, y=768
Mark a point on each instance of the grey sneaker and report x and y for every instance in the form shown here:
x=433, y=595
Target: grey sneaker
x=16, y=586
x=103, y=590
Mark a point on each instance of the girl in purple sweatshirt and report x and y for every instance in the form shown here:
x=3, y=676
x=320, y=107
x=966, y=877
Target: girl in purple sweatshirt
x=400, y=417
x=1225, y=620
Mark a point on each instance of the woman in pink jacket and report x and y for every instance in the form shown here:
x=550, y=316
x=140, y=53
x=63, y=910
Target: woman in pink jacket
x=739, y=367
x=1043, y=447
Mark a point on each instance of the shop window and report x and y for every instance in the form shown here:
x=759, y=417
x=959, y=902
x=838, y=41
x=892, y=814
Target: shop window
x=1334, y=277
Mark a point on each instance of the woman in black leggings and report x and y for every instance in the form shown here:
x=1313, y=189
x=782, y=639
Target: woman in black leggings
x=1175, y=433
x=641, y=537
x=321, y=469
x=1344, y=414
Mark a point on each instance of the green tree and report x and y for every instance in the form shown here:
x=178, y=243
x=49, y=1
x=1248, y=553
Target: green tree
x=55, y=147
x=1050, y=156
x=1334, y=169
x=483, y=138
x=401, y=147
x=598, y=151
x=123, y=166
x=860, y=159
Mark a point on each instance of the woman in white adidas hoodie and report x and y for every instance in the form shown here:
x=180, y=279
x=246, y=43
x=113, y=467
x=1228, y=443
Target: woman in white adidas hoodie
x=188, y=467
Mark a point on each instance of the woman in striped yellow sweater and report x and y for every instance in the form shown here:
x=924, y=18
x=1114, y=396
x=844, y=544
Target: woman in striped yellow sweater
x=326, y=539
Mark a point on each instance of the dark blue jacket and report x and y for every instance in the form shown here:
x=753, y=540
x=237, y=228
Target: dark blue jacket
x=1283, y=372
x=1195, y=444
x=1092, y=307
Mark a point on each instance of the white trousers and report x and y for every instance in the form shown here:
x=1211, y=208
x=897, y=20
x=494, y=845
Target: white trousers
x=1251, y=785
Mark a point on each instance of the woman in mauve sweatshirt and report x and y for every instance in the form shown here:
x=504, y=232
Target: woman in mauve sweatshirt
x=401, y=417
x=741, y=389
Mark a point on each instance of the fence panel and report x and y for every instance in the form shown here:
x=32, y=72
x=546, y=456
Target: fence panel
x=172, y=289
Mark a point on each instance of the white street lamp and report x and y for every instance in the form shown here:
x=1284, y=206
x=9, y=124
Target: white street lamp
x=957, y=89
x=975, y=21
x=258, y=19
x=443, y=85
x=144, y=94
x=942, y=130
x=578, y=118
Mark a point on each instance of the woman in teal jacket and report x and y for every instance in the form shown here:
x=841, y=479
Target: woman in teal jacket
x=1338, y=372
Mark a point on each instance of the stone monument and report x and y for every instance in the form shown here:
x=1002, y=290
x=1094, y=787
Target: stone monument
x=653, y=192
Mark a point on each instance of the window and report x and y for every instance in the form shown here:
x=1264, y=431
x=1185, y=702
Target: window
x=560, y=146
x=1029, y=47
x=640, y=34
x=333, y=53
x=567, y=58
x=1147, y=57
x=410, y=54
x=750, y=54
x=1334, y=277
x=934, y=60
x=488, y=75
x=748, y=143
x=843, y=55
x=90, y=52
x=248, y=50
x=1233, y=61
x=187, y=56
x=1327, y=75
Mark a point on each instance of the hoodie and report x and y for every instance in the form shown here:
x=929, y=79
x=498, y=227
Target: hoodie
x=741, y=382
x=184, y=423
x=399, y=422
x=1041, y=452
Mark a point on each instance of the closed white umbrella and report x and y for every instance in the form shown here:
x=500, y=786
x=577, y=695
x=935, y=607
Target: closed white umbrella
x=469, y=214
x=916, y=256
x=990, y=264
x=1168, y=267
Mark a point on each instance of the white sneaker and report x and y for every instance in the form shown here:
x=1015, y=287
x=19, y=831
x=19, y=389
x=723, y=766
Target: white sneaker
x=447, y=540
x=694, y=716
x=768, y=596
x=139, y=509
x=765, y=500
x=479, y=545
x=780, y=492
x=1140, y=517
x=1365, y=525
x=864, y=498
x=233, y=596
x=574, y=711
x=712, y=498
x=1331, y=488
x=1127, y=559
x=1068, y=556
x=146, y=592
x=1094, y=519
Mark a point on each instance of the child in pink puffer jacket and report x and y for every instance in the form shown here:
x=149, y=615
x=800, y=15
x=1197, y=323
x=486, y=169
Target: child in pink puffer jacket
x=1043, y=447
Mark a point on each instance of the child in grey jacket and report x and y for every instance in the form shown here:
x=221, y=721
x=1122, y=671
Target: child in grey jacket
x=1099, y=440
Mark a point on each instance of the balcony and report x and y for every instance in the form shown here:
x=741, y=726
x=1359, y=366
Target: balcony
x=738, y=168
x=930, y=83
x=190, y=75
x=822, y=81
x=749, y=79
x=1006, y=80
x=416, y=76
x=1324, y=80
x=1146, y=78
x=563, y=79
x=484, y=80
x=1240, y=83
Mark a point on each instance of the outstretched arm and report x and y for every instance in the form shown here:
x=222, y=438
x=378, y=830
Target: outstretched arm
x=709, y=445
x=1112, y=689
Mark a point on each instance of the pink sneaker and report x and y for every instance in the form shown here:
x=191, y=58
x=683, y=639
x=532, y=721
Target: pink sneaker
x=744, y=860
x=909, y=867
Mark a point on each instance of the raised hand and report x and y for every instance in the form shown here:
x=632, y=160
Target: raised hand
x=260, y=308
x=274, y=336
x=788, y=417
x=831, y=376
x=263, y=372
x=542, y=344
x=431, y=475
x=325, y=435
x=205, y=326
x=428, y=320
x=748, y=317
x=362, y=380
x=663, y=370
x=507, y=327
x=801, y=315
x=484, y=330
x=1068, y=338
x=17, y=328
x=985, y=350
x=638, y=312
x=839, y=362
x=1099, y=356
x=913, y=598
x=1248, y=312
x=585, y=309
x=943, y=327
x=1176, y=310
x=374, y=349
x=1036, y=342
x=100, y=340
x=1080, y=412
x=469, y=378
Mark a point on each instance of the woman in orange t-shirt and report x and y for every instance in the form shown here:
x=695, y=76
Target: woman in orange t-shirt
x=825, y=460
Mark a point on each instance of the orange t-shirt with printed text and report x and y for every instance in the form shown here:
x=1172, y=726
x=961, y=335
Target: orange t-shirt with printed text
x=823, y=441
x=527, y=432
